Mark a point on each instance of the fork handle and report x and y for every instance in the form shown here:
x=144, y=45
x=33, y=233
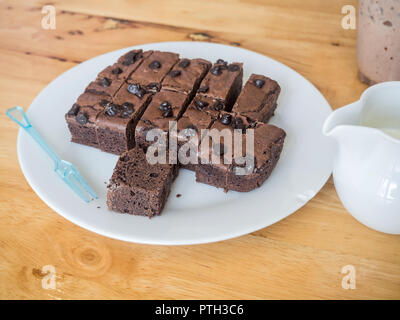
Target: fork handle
x=24, y=123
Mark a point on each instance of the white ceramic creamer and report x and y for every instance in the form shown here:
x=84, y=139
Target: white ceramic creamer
x=366, y=168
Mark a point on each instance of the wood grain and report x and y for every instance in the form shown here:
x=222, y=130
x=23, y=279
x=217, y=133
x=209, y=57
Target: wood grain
x=297, y=258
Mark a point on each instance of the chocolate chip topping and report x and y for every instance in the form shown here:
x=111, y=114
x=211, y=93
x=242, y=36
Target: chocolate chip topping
x=112, y=110
x=117, y=70
x=130, y=58
x=252, y=123
x=204, y=88
x=221, y=61
x=74, y=109
x=237, y=123
x=259, y=83
x=153, y=175
x=233, y=67
x=226, y=119
x=128, y=107
x=155, y=65
x=199, y=104
x=184, y=63
x=126, y=113
x=174, y=73
x=105, y=82
x=216, y=71
x=168, y=113
x=165, y=106
x=82, y=118
x=218, y=105
x=137, y=90
x=104, y=102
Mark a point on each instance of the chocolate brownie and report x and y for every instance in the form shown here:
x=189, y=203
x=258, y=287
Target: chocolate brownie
x=186, y=76
x=116, y=123
x=258, y=98
x=82, y=124
x=165, y=106
x=263, y=156
x=104, y=86
x=153, y=70
x=223, y=82
x=138, y=187
x=125, y=65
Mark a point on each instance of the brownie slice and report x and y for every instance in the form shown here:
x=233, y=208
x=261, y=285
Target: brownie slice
x=268, y=144
x=258, y=98
x=138, y=187
x=125, y=65
x=186, y=76
x=117, y=122
x=223, y=82
x=81, y=123
x=165, y=106
x=153, y=70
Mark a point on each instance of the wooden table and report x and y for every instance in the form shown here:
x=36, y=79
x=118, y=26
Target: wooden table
x=299, y=257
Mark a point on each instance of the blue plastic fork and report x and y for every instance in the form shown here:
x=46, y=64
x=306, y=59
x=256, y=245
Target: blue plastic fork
x=64, y=169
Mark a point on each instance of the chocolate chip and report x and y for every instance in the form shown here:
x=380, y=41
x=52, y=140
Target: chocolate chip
x=252, y=123
x=128, y=107
x=259, y=83
x=126, y=113
x=165, y=106
x=174, y=73
x=226, y=118
x=218, y=105
x=199, y=104
x=74, y=109
x=221, y=61
x=82, y=118
x=204, y=88
x=237, y=123
x=216, y=71
x=168, y=113
x=155, y=65
x=130, y=58
x=184, y=63
x=104, y=102
x=137, y=90
x=219, y=149
x=153, y=175
x=112, y=110
x=105, y=82
x=153, y=85
x=117, y=70
x=233, y=67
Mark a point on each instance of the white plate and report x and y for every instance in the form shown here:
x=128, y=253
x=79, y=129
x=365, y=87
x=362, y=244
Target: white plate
x=203, y=213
